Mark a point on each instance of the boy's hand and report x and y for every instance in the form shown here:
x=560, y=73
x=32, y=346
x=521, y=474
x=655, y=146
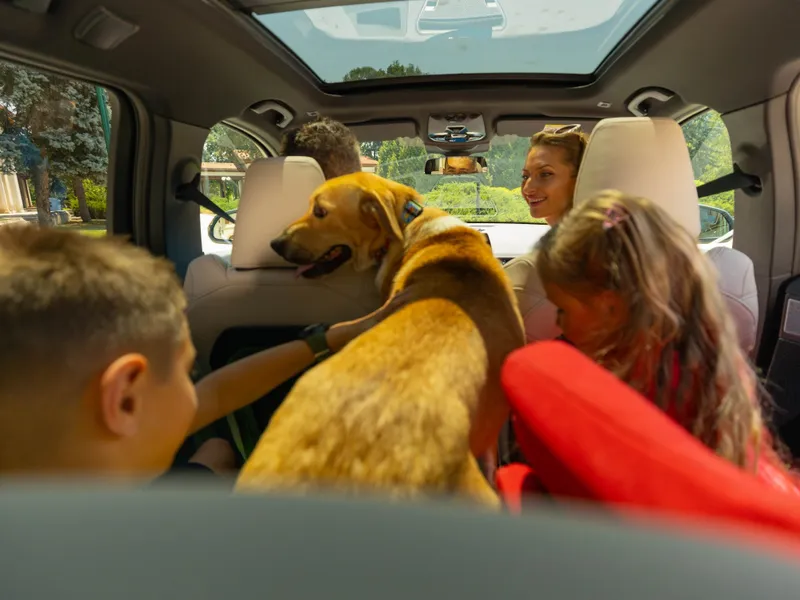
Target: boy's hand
x=341, y=334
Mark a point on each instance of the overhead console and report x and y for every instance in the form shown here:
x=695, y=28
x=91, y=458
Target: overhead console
x=456, y=132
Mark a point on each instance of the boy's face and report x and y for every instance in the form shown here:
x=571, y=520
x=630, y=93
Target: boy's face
x=169, y=407
x=148, y=409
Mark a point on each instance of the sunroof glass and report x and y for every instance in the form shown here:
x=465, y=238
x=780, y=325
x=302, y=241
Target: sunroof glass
x=456, y=37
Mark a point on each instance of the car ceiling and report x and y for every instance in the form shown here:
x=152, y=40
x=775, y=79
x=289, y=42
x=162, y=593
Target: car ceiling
x=201, y=61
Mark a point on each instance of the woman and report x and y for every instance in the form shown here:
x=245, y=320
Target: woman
x=548, y=184
x=550, y=172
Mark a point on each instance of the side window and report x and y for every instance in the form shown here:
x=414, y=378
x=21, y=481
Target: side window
x=226, y=155
x=710, y=150
x=54, y=139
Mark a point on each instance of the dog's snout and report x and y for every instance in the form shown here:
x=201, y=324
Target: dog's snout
x=279, y=244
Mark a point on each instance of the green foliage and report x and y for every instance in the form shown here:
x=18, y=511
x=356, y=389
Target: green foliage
x=402, y=160
x=226, y=144
x=393, y=70
x=96, y=199
x=506, y=157
x=50, y=129
x=46, y=116
x=226, y=203
x=371, y=149
x=710, y=150
x=495, y=204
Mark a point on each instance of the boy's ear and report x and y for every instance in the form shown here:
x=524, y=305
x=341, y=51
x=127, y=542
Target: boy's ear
x=121, y=388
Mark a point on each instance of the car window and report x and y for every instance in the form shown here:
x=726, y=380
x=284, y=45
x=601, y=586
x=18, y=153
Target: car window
x=710, y=151
x=489, y=194
x=54, y=138
x=227, y=153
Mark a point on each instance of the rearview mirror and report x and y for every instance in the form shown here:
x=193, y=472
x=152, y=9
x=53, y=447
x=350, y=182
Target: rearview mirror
x=714, y=223
x=456, y=165
x=220, y=230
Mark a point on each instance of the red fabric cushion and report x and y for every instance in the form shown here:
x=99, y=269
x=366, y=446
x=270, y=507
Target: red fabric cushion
x=589, y=436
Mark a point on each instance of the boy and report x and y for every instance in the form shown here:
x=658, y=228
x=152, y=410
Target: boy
x=95, y=359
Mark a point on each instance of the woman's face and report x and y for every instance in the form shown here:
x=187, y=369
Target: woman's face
x=548, y=183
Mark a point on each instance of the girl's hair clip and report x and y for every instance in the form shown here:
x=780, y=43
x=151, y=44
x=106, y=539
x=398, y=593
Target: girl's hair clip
x=614, y=216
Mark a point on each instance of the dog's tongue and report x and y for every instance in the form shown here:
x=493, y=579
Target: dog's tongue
x=300, y=270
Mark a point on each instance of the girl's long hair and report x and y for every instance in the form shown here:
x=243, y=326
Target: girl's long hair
x=678, y=346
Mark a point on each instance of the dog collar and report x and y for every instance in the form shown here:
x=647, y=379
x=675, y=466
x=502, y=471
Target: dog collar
x=411, y=210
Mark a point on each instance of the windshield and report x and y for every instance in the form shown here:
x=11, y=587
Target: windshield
x=490, y=195
x=453, y=37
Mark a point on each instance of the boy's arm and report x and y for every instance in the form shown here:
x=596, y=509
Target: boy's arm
x=244, y=381
x=240, y=383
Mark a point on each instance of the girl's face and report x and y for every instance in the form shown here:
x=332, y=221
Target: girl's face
x=586, y=320
x=548, y=183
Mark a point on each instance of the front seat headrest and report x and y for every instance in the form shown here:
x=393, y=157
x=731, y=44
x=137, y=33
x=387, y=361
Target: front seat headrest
x=276, y=192
x=645, y=157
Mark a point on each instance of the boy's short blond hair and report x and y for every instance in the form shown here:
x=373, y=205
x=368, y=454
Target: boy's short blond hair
x=71, y=304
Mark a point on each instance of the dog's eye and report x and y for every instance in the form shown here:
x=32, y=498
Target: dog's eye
x=319, y=212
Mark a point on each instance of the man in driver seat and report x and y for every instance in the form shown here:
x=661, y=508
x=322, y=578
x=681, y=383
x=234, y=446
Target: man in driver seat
x=329, y=142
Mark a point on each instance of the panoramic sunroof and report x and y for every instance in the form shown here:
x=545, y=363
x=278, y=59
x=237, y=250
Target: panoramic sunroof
x=456, y=37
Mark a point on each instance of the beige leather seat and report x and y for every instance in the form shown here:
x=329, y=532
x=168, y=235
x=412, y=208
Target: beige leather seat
x=648, y=158
x=255, y=288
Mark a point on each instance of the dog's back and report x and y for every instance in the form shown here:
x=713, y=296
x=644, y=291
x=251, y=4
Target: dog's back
x=458, y=264
x=401, y=407
x=389, y=412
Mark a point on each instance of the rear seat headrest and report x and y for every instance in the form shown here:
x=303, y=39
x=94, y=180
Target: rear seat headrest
x=276, y=192
x=645, y=157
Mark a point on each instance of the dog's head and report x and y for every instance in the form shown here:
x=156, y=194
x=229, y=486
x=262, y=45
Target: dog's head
x=354, y=216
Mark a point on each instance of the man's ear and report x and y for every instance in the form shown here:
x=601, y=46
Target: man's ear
x=121, y=389
x=378, y=213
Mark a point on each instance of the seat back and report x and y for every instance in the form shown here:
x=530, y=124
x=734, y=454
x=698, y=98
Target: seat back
x=648, y=158
x=253, y=300
x=255, y=289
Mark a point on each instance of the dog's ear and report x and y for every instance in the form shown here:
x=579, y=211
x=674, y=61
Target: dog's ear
x=379, y=213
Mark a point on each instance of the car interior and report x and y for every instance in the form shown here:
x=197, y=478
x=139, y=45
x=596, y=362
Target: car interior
x=201, y=92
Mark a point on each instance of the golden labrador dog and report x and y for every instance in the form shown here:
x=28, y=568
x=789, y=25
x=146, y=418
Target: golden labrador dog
x=406, y=407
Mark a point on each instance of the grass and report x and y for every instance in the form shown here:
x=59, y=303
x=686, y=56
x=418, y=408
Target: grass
x=96, y=228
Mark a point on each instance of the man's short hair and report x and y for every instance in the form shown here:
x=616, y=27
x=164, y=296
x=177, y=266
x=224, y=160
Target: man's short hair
x=329, y=142
x=71, y=304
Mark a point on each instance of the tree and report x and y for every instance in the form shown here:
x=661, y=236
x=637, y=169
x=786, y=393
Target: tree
x=50, y=128
x=83, y=148
x=226, y=144
x=710, y=150
x=393, y=70
x=31, y=111
x=371, y=149
x=402, y=160
x=505, y=159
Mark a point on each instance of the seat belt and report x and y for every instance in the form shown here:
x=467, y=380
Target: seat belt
x=190, y=192
x=738, y=180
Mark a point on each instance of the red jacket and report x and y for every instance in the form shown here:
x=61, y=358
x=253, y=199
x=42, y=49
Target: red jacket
x=592, y=437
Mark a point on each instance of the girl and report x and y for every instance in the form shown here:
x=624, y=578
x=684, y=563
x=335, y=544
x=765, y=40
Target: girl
x=635, y=294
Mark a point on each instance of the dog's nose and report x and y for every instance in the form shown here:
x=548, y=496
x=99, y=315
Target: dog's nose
x=279, y=244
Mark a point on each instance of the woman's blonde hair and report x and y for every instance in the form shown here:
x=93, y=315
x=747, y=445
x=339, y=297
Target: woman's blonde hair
x=573, y=143
x=678, y=346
